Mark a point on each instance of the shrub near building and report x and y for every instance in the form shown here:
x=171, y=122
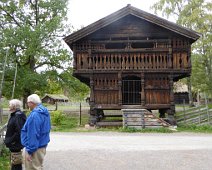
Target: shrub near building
x=57, y=118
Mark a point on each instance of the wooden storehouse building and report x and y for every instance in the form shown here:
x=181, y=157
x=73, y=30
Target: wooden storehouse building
x=130, y=59
x=55, y=98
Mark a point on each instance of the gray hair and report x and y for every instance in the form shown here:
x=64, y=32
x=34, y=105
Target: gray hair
x=15, y=103
x=34, y=98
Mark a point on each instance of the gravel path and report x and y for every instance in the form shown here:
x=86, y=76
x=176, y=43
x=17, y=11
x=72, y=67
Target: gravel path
x=129, y=151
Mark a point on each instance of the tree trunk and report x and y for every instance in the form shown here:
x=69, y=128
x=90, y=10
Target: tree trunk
x=27, y=92
x=191, y=103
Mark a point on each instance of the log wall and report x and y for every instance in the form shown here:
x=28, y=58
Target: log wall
x=106, y=89
x=156, y=59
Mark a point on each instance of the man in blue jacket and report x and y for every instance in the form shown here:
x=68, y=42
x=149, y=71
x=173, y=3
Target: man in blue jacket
x=35, y=133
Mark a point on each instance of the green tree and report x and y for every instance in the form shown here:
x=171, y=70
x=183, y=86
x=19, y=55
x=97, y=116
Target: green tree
x=72, y=86
x=67, y=84
x=196, y=15
x=32, y=29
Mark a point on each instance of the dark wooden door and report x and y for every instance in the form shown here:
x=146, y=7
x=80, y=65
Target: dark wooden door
x=131, y=90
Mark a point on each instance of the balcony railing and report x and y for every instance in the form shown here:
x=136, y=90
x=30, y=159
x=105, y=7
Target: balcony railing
x=129, y=61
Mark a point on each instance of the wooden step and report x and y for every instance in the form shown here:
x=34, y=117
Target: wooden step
x=112, y=115
x=109, y=123
x=136, y=118
x=142, y=118
x=117, y=120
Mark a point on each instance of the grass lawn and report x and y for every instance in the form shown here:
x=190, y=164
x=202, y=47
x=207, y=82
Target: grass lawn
x=70, y=123
x=4, y=159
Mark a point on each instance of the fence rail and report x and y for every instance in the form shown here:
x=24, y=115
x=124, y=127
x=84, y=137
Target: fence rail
x=196, y=115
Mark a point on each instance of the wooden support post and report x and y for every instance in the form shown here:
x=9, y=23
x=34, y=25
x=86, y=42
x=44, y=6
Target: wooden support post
x=170, y=57
x=92, y=90
x=120, y=87
x=142, y=90
x=171, y=84
x=93, y=118
x=162, y=113
x=171, y=111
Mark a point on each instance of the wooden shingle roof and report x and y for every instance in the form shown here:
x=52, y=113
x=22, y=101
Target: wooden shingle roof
x=130, y=10
x=56, y=96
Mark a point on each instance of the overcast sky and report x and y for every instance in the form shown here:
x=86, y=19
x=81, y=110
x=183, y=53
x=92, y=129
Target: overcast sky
x=85, y=12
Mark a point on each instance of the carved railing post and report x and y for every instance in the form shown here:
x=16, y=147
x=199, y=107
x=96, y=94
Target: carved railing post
x=89, y=55
x=170, y=57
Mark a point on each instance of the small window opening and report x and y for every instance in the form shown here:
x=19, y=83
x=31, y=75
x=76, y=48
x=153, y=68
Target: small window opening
x=115, y=46
x=142, y=45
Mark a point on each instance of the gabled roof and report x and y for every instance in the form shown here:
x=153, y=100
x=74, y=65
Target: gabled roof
x=56, y=96
x=130, y=10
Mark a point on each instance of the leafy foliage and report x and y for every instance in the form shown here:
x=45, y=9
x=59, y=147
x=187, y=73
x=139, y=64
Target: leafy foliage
x=57, y=117
x=32, y=30
x=196, y=15
x=71, y=123
x=71, y=85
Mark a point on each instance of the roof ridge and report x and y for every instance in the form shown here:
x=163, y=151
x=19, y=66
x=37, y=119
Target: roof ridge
x=130, y=10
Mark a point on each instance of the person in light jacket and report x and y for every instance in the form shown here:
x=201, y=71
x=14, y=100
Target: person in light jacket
x=35, y=135
x=12, y=138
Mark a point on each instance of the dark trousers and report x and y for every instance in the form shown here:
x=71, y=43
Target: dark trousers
x=16, y=167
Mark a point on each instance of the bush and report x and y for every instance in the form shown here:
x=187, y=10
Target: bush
x=57, y=117
x=4, y=158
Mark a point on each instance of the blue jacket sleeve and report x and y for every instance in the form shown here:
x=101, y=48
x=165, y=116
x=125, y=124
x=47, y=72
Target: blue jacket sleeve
x=32, y=134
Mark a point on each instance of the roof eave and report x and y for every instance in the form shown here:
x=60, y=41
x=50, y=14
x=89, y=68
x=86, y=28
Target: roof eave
x=97, y=25
x=129, y=10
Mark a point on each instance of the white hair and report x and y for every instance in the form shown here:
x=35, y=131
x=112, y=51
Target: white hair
x=15, y=103
x=34, y=98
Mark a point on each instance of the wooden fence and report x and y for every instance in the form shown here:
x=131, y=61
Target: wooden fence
x=197, y=115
